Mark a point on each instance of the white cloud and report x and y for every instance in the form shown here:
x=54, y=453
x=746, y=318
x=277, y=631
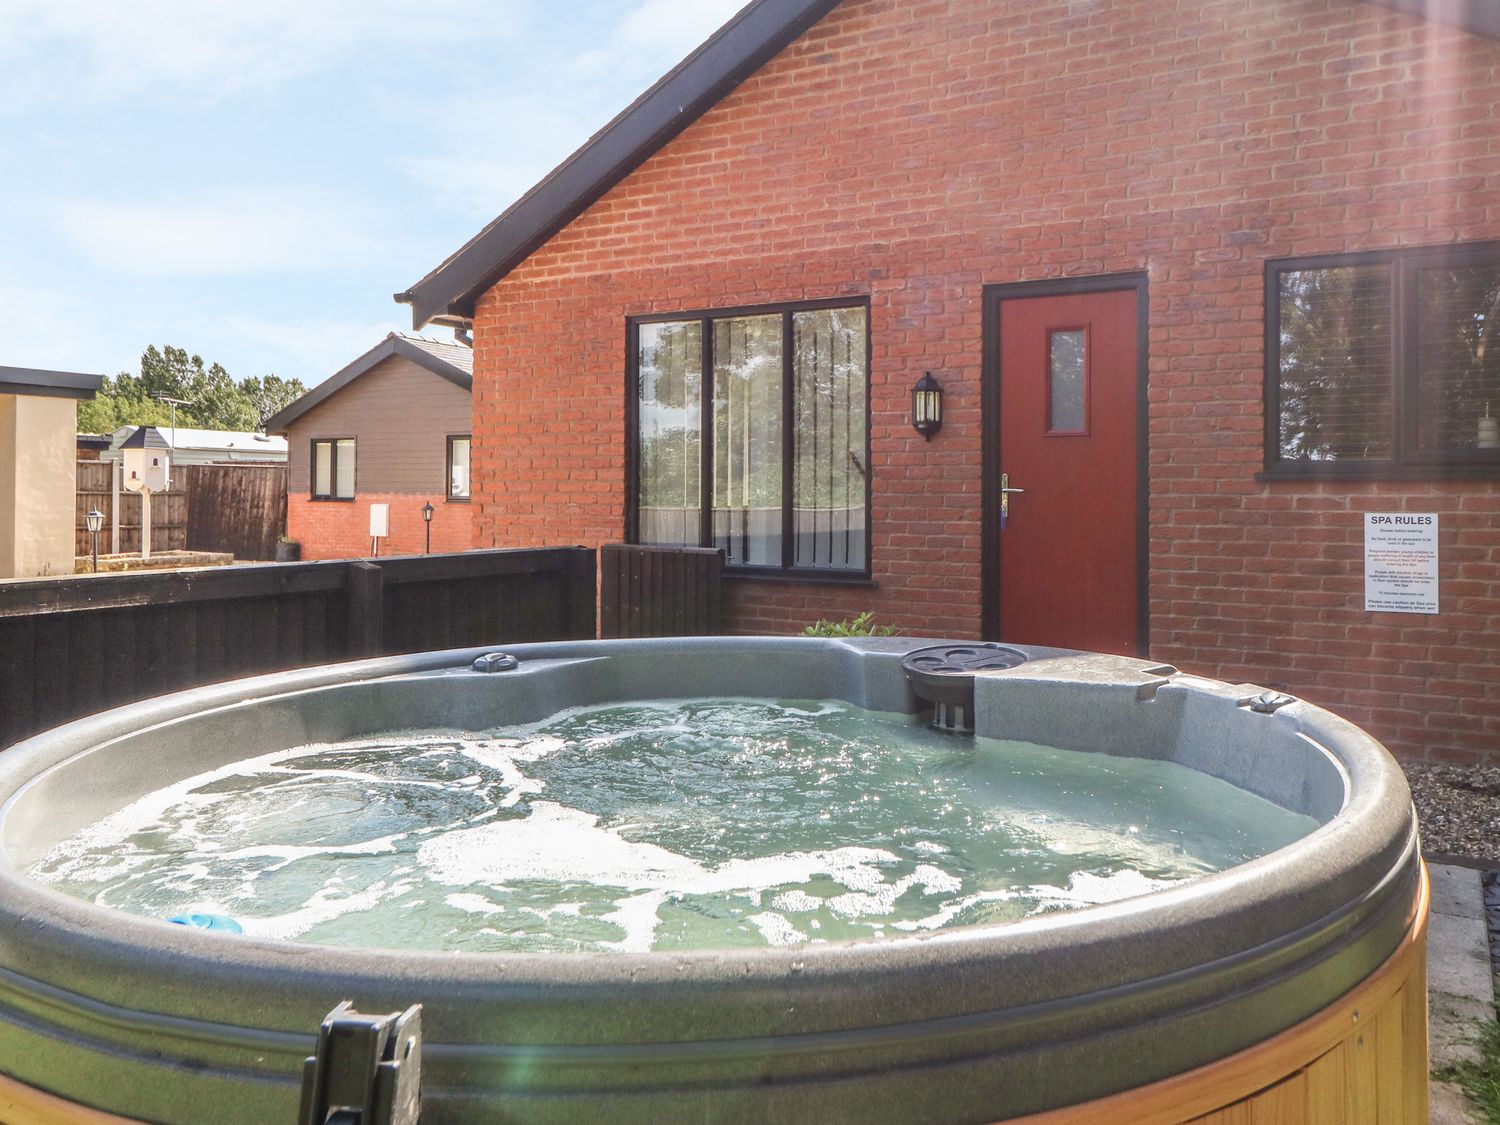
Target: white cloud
x=669, y=29
x=239, y=233
x=492, y=144
x=38, y=329
x=310, y=350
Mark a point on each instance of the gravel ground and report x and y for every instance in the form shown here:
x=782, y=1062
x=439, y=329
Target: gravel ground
x=1458, y=810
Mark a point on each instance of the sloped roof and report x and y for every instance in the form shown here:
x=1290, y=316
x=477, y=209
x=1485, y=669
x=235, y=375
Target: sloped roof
x=734, y=52
x=453, y=362
x=145, y=437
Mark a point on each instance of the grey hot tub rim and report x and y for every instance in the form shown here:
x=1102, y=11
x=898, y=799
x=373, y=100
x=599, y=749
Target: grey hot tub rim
x=1205, y=968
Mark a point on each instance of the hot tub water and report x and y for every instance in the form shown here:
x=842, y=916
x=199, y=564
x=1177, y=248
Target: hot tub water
x=662, y=825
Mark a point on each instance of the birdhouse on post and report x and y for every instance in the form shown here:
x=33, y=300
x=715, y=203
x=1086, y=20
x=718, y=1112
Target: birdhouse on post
x=148, y=461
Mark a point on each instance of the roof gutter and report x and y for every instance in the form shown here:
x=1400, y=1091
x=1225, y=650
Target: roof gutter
x=738, y=49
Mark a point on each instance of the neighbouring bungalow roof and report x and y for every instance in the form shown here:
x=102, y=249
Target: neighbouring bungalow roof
x=210, y=441
x=48, y=384
x=685, y=93
x=453, y=362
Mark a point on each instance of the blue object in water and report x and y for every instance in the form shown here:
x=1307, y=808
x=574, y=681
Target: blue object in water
x=218, y=922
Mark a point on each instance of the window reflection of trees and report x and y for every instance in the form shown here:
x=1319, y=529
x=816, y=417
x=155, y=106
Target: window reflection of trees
x=825, y=379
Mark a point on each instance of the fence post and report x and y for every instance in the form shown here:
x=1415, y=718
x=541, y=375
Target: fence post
x=583, y=594
x=366, y=587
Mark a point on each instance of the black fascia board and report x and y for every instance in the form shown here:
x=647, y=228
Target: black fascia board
x=391, y=345
x=49, y=384
x=1482, y=17
x=736, y=51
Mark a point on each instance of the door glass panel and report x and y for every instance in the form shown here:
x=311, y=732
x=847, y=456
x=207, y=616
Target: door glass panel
x=748, y=439
x=670, y=367
x=1066, y=369
x=829, y=376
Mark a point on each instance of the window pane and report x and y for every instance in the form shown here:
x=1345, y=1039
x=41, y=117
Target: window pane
x=1065, y=397
x=344, y=469
x=322, y=468
x=458, y=468
x=1335, y=364
x=747, y=439
x=1458, y=357
x=670, y=368
x=829, y=377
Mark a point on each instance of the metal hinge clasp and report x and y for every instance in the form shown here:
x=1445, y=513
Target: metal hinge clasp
x=367, y=1070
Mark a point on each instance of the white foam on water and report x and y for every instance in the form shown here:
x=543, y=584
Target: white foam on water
x=474, y=904
x=882, y=899
x=325, y=905
x=1084, y=889
x=557, y=844
x=776, y=929
x=638, y=916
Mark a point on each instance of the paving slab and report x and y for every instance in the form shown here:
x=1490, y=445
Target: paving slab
x=1460, y=984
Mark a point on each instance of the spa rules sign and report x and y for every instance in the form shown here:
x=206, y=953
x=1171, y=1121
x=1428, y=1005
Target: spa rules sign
x=1401, y=557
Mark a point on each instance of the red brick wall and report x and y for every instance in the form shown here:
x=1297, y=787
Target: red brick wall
x=917, y=151
x=334, y=529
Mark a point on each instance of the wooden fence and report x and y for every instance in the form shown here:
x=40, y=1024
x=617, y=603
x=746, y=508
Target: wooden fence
x=168, y=512
x=660, y=591
x=73, y=646
x=238, y=508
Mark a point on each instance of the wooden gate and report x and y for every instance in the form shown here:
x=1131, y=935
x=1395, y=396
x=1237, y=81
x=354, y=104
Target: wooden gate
x=660, y=591
x=236, y=508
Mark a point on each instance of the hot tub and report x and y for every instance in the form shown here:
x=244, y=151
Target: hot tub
x=1294, y=979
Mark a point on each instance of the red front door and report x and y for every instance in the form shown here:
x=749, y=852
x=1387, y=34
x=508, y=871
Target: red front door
x=1068, y=568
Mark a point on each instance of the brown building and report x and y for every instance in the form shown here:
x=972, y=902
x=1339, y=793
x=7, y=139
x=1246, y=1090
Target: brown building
x=392, y=428
x=1210, y=285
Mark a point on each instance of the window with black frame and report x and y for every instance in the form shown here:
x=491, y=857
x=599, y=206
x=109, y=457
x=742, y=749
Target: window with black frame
x=1384, y=364
x=333, y=469
x=458, y=467
x=752, y=435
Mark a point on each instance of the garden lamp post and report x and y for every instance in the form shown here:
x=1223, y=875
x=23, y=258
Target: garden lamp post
x=93, y=519
x=427, y=510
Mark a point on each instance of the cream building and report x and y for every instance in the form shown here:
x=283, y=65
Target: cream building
x=38, y=468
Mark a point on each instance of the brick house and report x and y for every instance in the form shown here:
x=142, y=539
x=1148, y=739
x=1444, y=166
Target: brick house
x=1210, y=281
x=392, y=428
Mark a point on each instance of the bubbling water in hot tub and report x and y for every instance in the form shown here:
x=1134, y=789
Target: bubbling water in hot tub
x=662, y=825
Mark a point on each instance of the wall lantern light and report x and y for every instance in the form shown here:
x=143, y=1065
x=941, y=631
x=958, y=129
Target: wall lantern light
x=927, y=406
x=427, y=511
x=93, y=519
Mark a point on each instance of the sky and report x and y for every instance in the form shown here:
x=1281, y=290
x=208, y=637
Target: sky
x=253, y=181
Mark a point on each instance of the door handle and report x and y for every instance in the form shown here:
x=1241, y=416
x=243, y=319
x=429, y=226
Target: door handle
x=1005, y=491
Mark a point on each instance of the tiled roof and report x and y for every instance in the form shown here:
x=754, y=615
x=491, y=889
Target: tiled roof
x=452, y=362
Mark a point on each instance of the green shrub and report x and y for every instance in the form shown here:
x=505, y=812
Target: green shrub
x=862, y=626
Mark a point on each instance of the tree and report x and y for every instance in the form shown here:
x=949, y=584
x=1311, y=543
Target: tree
x=210, y=399
x=271, y=395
